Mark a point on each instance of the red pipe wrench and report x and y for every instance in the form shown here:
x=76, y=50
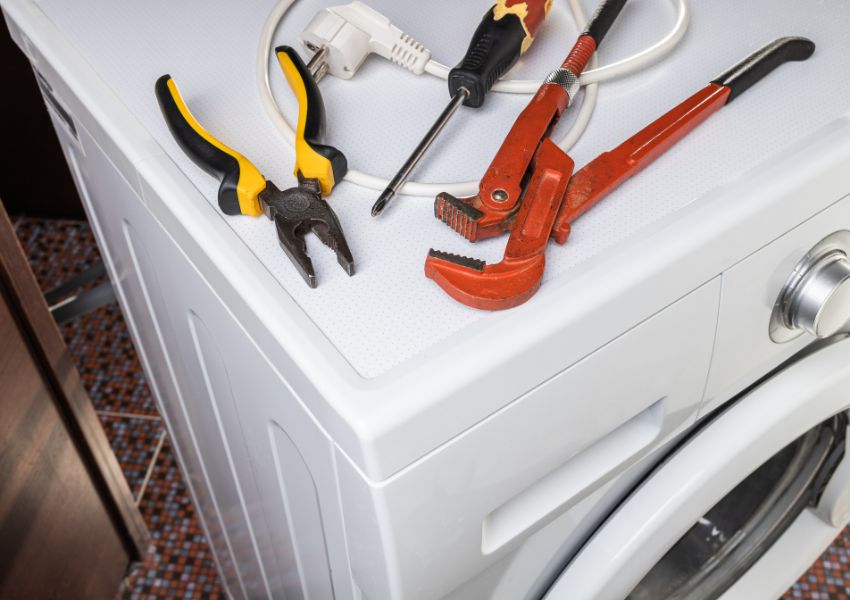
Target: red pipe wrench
x=531, y=192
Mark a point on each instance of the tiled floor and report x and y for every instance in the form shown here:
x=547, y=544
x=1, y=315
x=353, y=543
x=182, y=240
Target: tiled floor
x=829, y=578
x=180, y=565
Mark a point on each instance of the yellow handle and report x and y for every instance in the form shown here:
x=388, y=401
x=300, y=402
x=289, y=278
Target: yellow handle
x=241, y=182
x=531, y=13
x=313, y=160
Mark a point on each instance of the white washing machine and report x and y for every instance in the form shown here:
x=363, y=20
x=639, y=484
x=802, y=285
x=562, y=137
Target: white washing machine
x=659, y=421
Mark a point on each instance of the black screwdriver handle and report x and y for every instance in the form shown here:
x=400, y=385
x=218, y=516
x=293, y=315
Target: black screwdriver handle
x=501, y=38
x=762, y=62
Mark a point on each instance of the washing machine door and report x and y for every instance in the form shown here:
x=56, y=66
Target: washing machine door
x=761, y=462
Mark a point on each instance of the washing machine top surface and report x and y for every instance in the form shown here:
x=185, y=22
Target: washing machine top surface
x=389, y=313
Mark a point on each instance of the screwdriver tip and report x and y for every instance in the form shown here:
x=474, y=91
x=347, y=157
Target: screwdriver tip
x=382, y=202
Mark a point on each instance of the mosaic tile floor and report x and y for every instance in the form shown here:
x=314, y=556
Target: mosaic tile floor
x=180, y=564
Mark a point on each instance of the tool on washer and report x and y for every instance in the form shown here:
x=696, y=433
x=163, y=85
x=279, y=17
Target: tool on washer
x=504, y=35
x=244, y=190
x=529, y=191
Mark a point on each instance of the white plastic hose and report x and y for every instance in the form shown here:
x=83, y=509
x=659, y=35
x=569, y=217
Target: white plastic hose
x=590, y=79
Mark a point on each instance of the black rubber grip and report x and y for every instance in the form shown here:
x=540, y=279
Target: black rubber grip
x=603, y=18
x=207, y=156
x=496, y=46
x=314, y=106
x=762, y=62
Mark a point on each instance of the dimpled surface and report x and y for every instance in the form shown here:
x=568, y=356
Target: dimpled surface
x=389, y=313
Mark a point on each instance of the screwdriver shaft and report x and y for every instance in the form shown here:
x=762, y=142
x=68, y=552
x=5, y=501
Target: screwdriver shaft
x=406, y=169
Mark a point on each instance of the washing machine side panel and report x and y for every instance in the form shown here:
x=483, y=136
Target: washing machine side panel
x=97, y=179
x=480, y=497
x=222, y=401
x=228, y=391
x=281, y=460
x=259, y=468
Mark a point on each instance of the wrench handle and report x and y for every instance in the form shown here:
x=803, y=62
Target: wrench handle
x=603, y=174
x=762, y=62
x=607, y=171
x=603, y=18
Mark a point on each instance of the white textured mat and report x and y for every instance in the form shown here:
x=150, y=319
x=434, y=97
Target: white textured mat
x=389, y=312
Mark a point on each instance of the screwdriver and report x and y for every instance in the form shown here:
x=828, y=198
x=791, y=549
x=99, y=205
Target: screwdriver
x=502, y=37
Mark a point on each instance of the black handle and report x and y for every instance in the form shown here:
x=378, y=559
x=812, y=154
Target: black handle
x=496, y=46
x=313, y=159
x=241, y=182
x=762, y=62
x=603, y=18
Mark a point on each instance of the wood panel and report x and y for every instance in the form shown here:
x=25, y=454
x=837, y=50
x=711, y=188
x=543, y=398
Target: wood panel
x=68, y=525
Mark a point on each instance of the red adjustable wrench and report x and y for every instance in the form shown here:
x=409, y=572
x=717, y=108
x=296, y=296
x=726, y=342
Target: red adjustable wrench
x=530, y=190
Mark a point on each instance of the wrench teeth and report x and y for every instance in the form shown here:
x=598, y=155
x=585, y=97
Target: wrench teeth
x=459, y=215
x=463, y=261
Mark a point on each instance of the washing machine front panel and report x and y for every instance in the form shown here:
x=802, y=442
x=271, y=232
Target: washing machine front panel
x=794, y=274
x=767, y=386
x=714, y=461
x=545, y=462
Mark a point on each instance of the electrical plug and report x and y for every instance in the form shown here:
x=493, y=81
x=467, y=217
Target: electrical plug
x=353, y=31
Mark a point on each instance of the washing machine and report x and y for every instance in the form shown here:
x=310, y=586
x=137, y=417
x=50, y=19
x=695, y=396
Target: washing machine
x=664, y=419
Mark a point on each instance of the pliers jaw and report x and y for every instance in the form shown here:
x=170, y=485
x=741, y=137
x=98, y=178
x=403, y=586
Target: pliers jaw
x=244, y=190
x=298, y=211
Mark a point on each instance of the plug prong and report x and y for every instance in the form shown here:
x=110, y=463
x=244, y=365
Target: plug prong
x=318, y=66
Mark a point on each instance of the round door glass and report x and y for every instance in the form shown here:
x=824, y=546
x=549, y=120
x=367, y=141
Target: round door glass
x=732, y=536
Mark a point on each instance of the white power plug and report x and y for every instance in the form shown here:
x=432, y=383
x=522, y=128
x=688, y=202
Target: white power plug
x=353, y=31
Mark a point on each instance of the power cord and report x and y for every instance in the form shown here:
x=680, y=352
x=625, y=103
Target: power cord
x=371, y=32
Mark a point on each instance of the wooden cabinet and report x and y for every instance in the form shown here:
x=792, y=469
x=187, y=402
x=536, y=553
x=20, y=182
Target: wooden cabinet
x=68, y=525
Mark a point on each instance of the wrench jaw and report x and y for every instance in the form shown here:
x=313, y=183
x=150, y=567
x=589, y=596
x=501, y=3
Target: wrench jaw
x=458, y=213
x=517, y=277
x=471, y=218
x=472, y=282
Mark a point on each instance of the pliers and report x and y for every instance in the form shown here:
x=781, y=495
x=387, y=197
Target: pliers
x=244, y=190
x=530, y=189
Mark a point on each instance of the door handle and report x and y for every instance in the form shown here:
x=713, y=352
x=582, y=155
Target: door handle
x=574, y=480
